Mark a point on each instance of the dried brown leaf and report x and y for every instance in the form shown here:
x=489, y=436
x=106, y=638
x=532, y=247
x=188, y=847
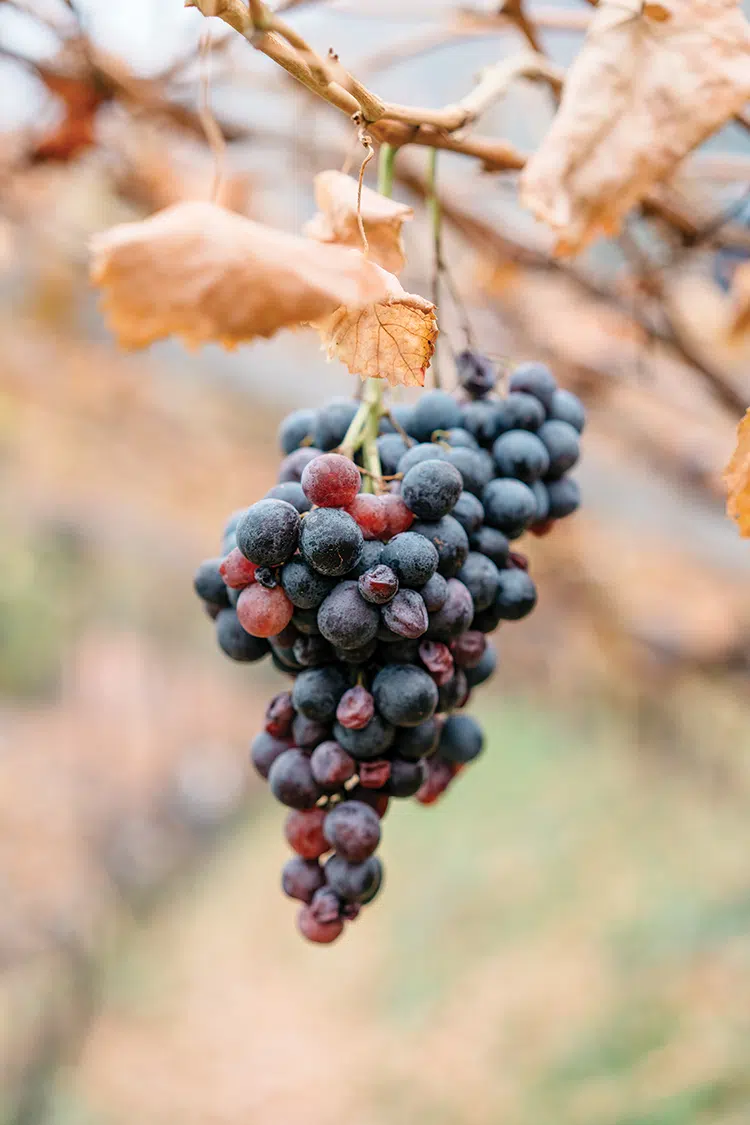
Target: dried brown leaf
x=737, y=478
x=203, y=273
x=393, y=338
x=740, y=320
x=646, y=88
x=383, y=218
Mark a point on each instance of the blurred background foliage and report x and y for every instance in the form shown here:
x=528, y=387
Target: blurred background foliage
x=565, y=940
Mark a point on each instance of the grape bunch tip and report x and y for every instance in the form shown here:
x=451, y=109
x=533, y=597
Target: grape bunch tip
x=378, y=605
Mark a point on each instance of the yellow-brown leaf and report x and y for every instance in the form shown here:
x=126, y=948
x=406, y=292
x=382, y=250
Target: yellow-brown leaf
x=391, y=339
x=649, y=84
x=203, y=273
x=383, y=218
x=737, y=477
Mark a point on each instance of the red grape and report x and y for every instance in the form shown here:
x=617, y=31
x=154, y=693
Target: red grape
x=262, y=613
x=331, y=481
x=279, y=715
x=519, y=561
x=437, y=659
x=304, y=832
x=468, y=649
x=320, y=932
x=236, y=570
x=373, y=775
x=356, y=708
x=370, y=513
x=439, y=776
x=398, y=516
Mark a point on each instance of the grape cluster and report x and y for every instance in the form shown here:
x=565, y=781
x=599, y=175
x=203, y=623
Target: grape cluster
x=378, y=604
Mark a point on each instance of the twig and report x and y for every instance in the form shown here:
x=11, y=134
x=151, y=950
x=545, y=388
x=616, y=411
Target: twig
x=367, y=142
x=433, y=206
x=214, y=134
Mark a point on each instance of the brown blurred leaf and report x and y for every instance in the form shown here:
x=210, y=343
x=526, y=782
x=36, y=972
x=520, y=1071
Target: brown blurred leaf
x=393, y=338
x=336, y=196
x=205, y=274
x=737, y=477
x=643, y=91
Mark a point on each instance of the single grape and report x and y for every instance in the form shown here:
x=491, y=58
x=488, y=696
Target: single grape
x=366, y=744
x=476, y=373
x=563, y=446
x=439, y=775
x=516, y=595
x=534, y=379
x=454, y=616
x=509, y=506
x=520, y=411
x=404, y=695
x=411, y=557
x=303, y=829
x=437, y=659
x=567, y=407
x=475, y=467
x=354, y=882
x=406, y=777
x=291, y=491
x=481, y=672
x=460, y=438
x=292, y=467
x=399, y=517
x=353, y=830
x=520, y=454
x=330, y=541
x=391, y=448
x=301, y=878
x=481, y=578
x=492, y=543
x=209, y=584
x=417, y=742
x=564, y=498
x=449, y=540
x=317, y=691
x=308, y=733
x=268, y=532
x=235, y=641
x=346, y=619
x=435, y=410
x=461, y=739
x=356, y=708
x=453, y=693
x=262, y=613
x=322, y=933
x=296, y=428
x=373, y=775
x=237, y=571
x=469, y=512
x=304, y=587
x=333, y=421
x=406, y=614
x=312, y=651
x=370, y=514
x=431, y=488
x=468, y=649
x=425, y=451
x=482, y=420
x=331, y=766
x=265, y=749
x=434, y=592
x=378, y=801
x=291, y=780
x=541, y=497
x=279, y=715
x=325, y=906
x=378, y=585
x=331, y=481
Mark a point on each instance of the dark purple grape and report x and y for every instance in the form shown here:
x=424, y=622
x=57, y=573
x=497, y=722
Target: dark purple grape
x=431, y=488
x=406, y=614
x=264, y=751
x=412, y=558
x=209, y=584
x=346, y=619
x=484, y=669
x=534, y=379
x=475, y=467
x=425, y=451
x=455, y=615
x=509, y=506
x=354, y=882
x=235, y=641
x=434, y=410
x=332, y=421
x=304, y=587
x=469, y=512
x=492, y=543
x=434, y=592
x=520, y=411
x=468, y=649
x=291, y=491
x=331, y=766
x=353, y=830
x=417, y=742
x=366, y=744
x=564, y=498
x=449, y=540
x=461, y=739
x=404, y=695
x=391, y=448
x=516, y=595
x=330, y=541
x=279, y=715
x=291, y=780
x=563, y=446
x=406, y=777
x=520, y=454
x=476, y=373
x=312, y=651
x=317, y=691
x=378, y=585
x=268, y=532
x=301, y=878
x=307, y=733
x=325, y=906
x=567, y=407
x=481, y=578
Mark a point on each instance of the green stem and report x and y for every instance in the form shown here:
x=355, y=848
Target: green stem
x=386, y=163
x=370, y=455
